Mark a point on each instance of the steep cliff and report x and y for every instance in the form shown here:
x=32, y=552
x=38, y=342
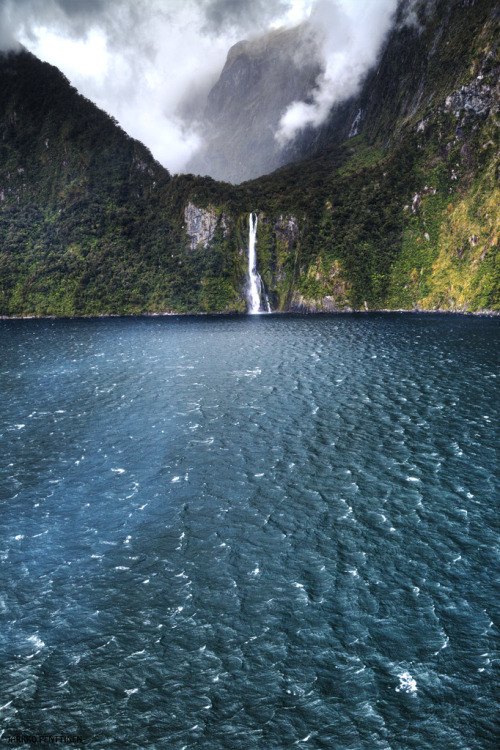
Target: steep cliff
x=260, y=79
x=397, y=205
x=402, y=184
x=72, y=185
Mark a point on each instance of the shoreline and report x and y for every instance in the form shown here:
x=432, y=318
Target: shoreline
x=304, y=313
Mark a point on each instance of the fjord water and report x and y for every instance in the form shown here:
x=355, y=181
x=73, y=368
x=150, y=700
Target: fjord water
x=251, y=532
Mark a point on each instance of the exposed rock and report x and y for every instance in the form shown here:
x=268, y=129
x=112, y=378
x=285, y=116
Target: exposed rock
x=475, y=99
x=260, y=79
x=201, y=224
x=422, y=125
x=417, y=198
x=278, y=242
x=287, y=229
x=355, y=124
x=324, y=304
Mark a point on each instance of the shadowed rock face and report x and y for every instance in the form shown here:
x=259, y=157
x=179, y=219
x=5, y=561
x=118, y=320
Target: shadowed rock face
x=260, y=79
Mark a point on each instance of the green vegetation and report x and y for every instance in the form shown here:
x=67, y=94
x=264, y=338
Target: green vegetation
x=403, y=215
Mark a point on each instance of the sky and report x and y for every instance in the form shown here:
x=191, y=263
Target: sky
x=140, y=60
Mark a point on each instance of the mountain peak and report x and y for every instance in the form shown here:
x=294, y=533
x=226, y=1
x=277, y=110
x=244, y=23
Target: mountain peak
x=260, y=79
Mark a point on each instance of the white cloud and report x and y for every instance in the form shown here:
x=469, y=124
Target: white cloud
x=352, y=33
x=141, y=60
x=136, y=59
x=88, y=57
x=299, y=10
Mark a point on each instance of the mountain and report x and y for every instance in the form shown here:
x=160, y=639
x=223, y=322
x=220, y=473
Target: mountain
x=86, y=222
x=426, y=124
x=260, y=79
x=396, y=205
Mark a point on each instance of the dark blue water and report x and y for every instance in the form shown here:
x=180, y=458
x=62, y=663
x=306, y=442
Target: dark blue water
x=256, y=532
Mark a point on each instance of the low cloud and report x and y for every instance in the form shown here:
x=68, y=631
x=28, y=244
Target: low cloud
x=224, y=15
x=351, y=33
x=136, y=59
x=147, y=62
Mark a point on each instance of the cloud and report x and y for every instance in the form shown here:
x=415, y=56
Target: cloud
x=137, y=59
x=151, y=63
x=243, y=14
x=351, y=33
x=22, y=16
x=123, y=21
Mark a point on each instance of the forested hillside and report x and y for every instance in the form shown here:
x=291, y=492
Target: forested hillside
x=395, y=205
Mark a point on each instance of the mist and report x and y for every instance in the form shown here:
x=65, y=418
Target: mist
x=136, y=59
x=151, y=63
x=351, y=34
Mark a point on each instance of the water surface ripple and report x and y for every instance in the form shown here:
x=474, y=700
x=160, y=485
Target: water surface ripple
x=251, y=532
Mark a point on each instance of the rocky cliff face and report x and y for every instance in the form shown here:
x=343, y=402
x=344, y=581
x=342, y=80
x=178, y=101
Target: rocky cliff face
x=201, y=224
x=259, y=80
x=397, y=206
x=422, y=137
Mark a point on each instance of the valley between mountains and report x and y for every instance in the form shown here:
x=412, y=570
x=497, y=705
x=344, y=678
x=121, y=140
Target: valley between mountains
x=392, y=203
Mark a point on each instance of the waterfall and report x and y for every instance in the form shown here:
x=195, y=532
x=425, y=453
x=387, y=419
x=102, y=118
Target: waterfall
x=253, y=278
x=255, y=285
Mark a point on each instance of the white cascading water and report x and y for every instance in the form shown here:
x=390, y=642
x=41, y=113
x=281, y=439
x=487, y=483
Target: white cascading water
x=254, y=280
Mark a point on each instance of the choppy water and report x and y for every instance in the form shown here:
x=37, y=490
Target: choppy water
x=254, y=532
